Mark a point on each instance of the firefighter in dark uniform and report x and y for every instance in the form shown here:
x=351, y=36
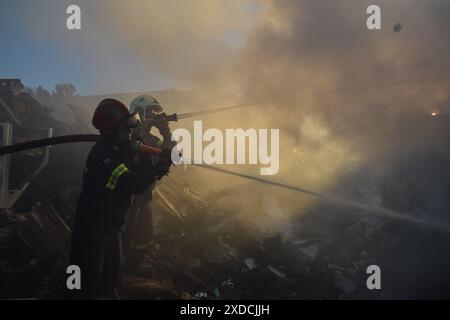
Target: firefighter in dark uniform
x=139, y=226
x=113, y=173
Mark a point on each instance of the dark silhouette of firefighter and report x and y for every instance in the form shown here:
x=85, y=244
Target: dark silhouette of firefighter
x=139, y=227
x=113, y=173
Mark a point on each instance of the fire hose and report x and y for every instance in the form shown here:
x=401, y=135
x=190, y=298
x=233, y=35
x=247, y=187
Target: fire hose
x=66, y=139
x=156, y=151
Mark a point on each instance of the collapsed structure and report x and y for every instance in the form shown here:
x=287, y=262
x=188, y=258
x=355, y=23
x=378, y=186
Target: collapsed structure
x=208, y=244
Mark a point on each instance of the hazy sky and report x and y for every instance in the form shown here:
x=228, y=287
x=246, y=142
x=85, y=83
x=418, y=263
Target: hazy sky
x=37, y=47
x=139, y=45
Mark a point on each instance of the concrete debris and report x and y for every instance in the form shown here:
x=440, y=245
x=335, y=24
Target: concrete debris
x=335, y=267
x=277, y=272
x=345, y=285
x=44, y=231
x=250, y=263
x=311, y=251
x=299, y=243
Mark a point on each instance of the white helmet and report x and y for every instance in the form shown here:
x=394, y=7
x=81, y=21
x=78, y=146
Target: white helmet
x=146, y=106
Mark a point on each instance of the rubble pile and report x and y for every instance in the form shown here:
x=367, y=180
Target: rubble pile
x=30, y=246
x=236, y=243
x=34, y=234
x=221, y=245
x=217, y=252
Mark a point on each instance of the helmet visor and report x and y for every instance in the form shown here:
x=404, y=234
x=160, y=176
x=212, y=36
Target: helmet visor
x=134, y=120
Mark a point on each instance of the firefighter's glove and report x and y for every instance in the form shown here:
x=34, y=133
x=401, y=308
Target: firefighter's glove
x=162, y=124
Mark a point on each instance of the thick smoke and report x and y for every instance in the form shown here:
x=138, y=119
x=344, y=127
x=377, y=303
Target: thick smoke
x=353, y=106
x=357, y=87
x=354, y=87
x=375, y=141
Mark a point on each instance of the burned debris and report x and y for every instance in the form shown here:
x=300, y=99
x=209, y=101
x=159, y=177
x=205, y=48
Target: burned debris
x=208, y=244
x=33, y=234
x=215, y=252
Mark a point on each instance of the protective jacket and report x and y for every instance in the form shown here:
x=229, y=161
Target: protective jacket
x=110, y=178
